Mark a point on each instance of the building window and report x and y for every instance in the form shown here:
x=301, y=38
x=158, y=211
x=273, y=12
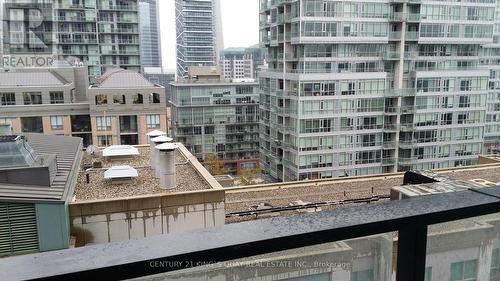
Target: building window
x=495, y=265
x=129, y=139
x=128, y=124
x=366, y=275
x=32, y=98
x=5, y=121
x=104, y=140
x=103, y=123
x=56, y=122
x=138, y=99
x=464, y=101
x=153, y=121
x=464, y=271
x=8, y=98
x=465, y=85
x=31, y=124
x=119, y=99
x=56, y=97
x=101, y=99
x=155, y=98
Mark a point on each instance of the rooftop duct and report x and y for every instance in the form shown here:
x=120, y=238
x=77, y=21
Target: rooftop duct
x=153, y=155
x=166, y=165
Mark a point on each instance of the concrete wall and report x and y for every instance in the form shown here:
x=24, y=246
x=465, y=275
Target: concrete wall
x=488, y=160
x=139, y=217
x=38, y=176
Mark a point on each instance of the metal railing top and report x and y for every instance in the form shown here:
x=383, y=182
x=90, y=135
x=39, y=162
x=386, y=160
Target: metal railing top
x=133, y=258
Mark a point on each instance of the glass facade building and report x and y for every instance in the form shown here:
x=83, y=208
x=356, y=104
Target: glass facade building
x=101, y=34
x=199, y=34
x=218, y=118
x=150, y=33
x=366, y=87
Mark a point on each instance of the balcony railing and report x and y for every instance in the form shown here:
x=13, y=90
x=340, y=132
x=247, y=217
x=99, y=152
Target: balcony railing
x=198, y=254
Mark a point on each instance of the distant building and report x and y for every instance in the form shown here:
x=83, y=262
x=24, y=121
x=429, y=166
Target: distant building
x=236, y=64
x=58, y=101
x=406, y=86
x=101, y=34
x=149, y=25
x=157, y=75
x=38, y=175
x=51, y=102
x=259, y=57
x=199, y=34
x=124, y=106
x=214, y=116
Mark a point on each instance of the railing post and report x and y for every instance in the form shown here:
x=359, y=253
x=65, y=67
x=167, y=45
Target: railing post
x=412, y=246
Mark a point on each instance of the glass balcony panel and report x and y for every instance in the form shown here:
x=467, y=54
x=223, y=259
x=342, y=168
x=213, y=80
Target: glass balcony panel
x=464, y=250
x=362, y=259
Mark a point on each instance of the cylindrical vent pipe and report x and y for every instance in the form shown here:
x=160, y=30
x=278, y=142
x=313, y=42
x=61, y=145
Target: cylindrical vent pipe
x=154, y=152
x=152, y=135
x=166, y=165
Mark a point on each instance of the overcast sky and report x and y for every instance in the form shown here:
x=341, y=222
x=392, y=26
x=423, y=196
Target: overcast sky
x=240, y=21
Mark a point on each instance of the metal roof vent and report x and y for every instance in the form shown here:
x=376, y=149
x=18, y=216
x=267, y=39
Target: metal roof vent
x=119, y=151
x=153, y=153
x=120, y=174
x=166, y=165
x=155, y=133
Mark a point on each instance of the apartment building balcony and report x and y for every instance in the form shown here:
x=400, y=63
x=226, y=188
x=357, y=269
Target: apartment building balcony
x=278, y=20
x=76, y=41
x=408, y=161
x=405, y=127
x=265, y=5
x=264, y=23
x=285, y=111
x=388, y=161
x=391, y=55
x=406, y=1
x=391, y=128
x=119, y=31
x=400, y=16
x=69, y=6
x=281, y=2
x=118, y=8
x=327, y=37
x=75, y=19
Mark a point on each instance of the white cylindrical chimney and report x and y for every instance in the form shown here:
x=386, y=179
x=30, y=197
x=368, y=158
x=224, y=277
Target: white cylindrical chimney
x=154, y=152
x=166, y=165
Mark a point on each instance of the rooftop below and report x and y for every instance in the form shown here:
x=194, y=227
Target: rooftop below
x=334, y=193
x=39, y=167
x=98, y=188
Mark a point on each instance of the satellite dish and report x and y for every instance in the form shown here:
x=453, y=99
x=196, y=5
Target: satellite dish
x=92, y=150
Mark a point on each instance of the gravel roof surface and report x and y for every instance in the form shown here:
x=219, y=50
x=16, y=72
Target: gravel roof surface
x=491, y=173
x=334, y=190
x=146, y=184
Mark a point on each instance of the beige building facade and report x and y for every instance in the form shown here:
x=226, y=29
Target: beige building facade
x=59, y=101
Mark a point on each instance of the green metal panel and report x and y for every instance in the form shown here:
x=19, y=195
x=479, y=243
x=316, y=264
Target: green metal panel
x=53, y=231
x=18, y=229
